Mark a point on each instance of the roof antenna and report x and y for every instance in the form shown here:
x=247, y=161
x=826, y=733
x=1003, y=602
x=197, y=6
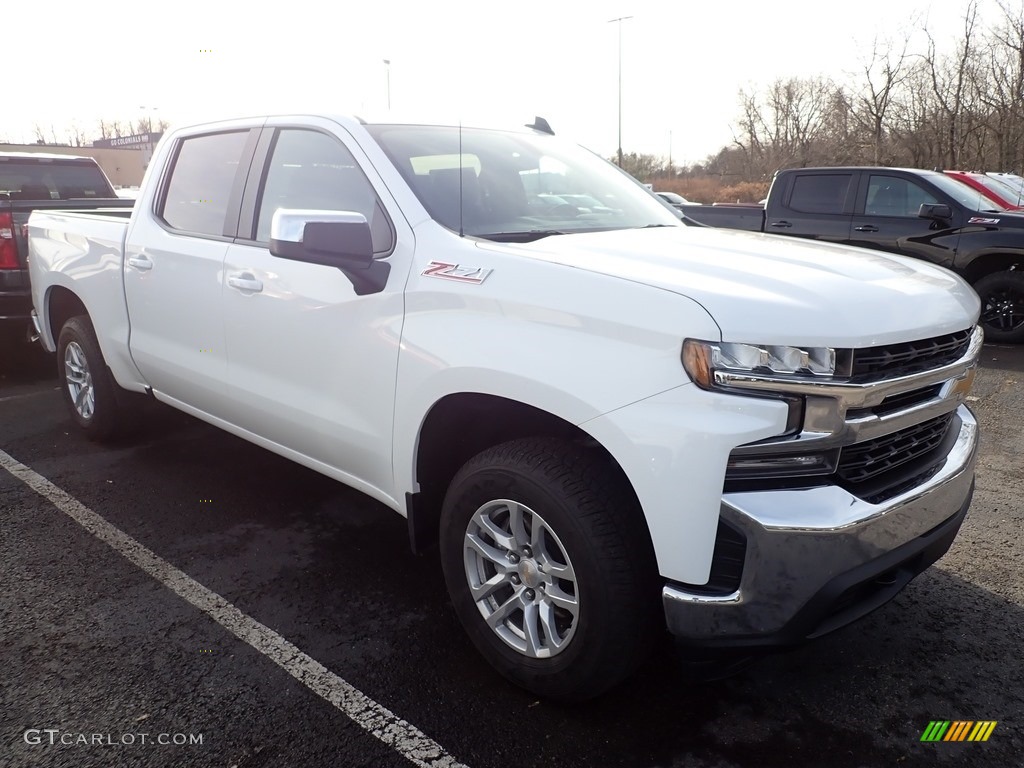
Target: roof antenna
x=462, y=231
x=542, y=125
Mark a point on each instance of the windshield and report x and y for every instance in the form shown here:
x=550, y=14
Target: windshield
x=997, y=187
x=515, y=186
x=963, y=194
x=1014, y=183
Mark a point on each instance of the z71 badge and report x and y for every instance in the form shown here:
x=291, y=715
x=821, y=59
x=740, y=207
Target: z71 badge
x=982, y=220
x=448, y=271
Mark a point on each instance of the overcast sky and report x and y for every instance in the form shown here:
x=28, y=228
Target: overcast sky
x=497, y=61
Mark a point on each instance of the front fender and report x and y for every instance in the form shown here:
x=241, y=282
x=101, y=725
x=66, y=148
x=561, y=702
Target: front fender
x=575, y=355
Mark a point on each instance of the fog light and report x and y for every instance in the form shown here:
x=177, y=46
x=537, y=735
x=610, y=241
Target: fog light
x=781, y=465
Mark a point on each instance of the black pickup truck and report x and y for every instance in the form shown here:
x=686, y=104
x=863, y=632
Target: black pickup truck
x=917, y=213
x=35, y=181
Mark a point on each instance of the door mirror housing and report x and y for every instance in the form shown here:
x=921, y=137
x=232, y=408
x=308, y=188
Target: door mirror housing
x=334, y=238
x=338, y=239
x=935, y=211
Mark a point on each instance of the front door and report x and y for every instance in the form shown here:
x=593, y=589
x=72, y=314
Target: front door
x=312, y=365
x=889, y=221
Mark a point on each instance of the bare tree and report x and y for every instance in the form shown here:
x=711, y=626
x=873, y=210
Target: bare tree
x=75, y=135
x=916, y=134
x=790, y=126
x=1002, y=89
x=951, y=79
x=884, y=73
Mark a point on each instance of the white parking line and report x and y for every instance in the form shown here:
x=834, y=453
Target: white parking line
x=377, y=720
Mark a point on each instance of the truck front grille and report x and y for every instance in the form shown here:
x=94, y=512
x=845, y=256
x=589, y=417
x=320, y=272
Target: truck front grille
x=894, y=360
x=864, y=462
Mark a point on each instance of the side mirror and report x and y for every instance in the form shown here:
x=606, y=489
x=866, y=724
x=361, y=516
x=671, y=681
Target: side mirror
x=334, y=238
x=338, y=239
x=935, y=211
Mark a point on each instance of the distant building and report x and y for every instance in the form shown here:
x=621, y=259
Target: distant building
x=142, y=142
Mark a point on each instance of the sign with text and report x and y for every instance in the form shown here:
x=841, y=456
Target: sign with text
x=125, y=142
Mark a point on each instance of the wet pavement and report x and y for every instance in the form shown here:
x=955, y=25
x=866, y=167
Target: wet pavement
x=92, y=645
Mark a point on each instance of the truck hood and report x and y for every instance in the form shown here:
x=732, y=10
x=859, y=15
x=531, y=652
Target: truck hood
x=772, y=289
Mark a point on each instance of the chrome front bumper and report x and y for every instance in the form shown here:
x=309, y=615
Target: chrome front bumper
x=819, y=558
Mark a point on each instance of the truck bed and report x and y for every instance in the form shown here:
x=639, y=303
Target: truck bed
x=85, y=248
x=745, y=217
x=15, y=297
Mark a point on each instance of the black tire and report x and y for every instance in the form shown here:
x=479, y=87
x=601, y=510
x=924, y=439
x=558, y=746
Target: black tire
x=583, y=500
x=1002, y=306
x=106, y=419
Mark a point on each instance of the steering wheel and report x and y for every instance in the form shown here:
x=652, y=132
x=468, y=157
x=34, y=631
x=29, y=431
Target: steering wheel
x=563, y=210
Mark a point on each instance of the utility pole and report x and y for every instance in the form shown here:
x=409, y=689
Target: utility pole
x=619, y=22
x=387, y=63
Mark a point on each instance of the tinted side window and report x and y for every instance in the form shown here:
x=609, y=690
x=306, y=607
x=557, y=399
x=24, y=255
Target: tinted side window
x=892, y=196
x=314, y=171
x=201, y=181
x=824, y=193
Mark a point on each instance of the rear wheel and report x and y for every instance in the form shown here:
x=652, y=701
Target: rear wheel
x=89, y=389
x=1002, y=306
x=549, y=566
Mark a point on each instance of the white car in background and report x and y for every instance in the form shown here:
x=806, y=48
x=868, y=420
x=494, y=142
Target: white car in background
x=1014, y=182
x=676, y=201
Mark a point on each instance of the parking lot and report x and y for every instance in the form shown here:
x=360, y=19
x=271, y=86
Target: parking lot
x=184, y=583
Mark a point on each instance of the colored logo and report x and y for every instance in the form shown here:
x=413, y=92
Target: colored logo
x=959, y=730
x=446, y=271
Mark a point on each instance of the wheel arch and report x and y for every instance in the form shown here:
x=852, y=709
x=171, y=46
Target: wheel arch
x=61, y=305
x=989, y=263
x=461, y=425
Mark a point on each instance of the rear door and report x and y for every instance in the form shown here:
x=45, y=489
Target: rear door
x=887, y=220
x=174, y=267
x=814, y=204
x=312, y=365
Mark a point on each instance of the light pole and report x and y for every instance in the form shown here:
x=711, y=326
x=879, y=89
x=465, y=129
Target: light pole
x=619, y=22
x=387, y=64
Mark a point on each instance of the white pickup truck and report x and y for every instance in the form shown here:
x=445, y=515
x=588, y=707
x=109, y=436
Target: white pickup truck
x=610, y=422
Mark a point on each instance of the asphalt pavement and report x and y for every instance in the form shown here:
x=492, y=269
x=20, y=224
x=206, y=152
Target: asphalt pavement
x=184, y=598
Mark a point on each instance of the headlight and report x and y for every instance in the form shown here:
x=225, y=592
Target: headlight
x=702, y=358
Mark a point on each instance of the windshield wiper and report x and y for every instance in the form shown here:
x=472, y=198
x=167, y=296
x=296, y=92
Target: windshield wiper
x=525, y=236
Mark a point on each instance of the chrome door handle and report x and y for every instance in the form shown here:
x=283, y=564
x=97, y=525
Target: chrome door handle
x=140, y=262
x=866, y=228
x=781, y=224
x=245, y=281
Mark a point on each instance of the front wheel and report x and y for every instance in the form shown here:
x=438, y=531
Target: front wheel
x=549, y=565
x=90, y=392
x=1002, y=306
